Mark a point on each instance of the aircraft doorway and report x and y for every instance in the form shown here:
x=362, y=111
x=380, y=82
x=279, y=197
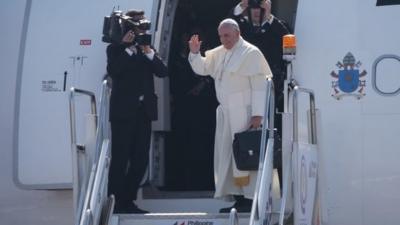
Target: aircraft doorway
x=190, y=144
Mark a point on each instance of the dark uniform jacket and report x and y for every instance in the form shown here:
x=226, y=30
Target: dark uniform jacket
x=132, y=77
x=268, y=38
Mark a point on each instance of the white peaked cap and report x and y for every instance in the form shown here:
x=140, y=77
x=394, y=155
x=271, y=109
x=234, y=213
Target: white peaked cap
x=230, y=22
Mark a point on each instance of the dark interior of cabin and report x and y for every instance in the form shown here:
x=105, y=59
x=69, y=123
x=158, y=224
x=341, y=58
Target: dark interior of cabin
x=190, y=144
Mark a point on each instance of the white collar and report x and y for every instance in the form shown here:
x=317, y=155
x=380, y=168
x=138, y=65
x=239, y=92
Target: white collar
x=236, y=45
x=269, y=20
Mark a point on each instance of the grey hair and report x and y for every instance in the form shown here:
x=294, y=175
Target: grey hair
x=229, y=22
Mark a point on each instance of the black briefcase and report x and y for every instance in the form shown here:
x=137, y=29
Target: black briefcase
x=246, y=149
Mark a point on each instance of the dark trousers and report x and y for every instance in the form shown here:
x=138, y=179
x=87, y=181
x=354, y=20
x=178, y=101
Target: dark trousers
x=195, y=131
x=279, y=104
x=130, y=155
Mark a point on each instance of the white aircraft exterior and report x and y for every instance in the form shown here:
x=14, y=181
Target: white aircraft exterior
x=347, y=53
x=357, y=147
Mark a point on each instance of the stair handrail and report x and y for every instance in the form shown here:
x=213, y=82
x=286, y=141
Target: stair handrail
x=93, y=110
x=85, y=181
x=78, y=162
x=294, y=91
x=313, y=123
x=269, y=110
x=101, y=158
x=103, y=129
x=233, y=217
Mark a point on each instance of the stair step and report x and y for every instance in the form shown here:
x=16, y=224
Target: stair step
x=203, y=205
x=177, y=219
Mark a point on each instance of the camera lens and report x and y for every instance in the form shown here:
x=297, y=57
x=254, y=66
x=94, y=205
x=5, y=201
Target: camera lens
x=255, y=3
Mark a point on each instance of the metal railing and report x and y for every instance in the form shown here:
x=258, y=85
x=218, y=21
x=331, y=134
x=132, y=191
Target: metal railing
x=72, y=112
x=313, y=139
x=91, y=189
x=80, y=159
x=97, y=187
x=98, y=194
x=264, y=152
x=313, y=122
x=103, y=132
x=233, y=217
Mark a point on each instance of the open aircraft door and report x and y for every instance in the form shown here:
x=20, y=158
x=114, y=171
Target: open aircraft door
x=60, y=48
x=163, y=20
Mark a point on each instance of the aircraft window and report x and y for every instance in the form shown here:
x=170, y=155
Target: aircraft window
x=387, y=2
x=375, y=75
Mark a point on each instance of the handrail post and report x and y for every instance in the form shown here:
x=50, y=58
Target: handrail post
x=313, y=135
x=96, y=176
x=233, y=217
x=90, y=94
x=106, y=103
x=313, y=119
x=268, y=99
x=77, y=182
x=72, y=117
x=75, y=172
x=102, y=129
x=267, y=119
x=313, y=122
x=295, y=116
x=287, y=170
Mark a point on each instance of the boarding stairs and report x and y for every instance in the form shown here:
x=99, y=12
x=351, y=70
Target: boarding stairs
x=92, y=206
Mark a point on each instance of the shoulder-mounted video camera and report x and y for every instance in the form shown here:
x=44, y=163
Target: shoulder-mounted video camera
x=118, y=24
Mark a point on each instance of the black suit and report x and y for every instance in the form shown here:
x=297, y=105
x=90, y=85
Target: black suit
x=133, y=105
x=268, y=38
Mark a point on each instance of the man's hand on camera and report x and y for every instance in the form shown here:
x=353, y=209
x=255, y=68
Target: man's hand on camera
x=266, y=5
x=128, y=37
x=146, y=49
x=244, y=4
x=194, y=44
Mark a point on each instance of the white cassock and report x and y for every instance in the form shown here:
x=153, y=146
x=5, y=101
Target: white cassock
x=239, y=75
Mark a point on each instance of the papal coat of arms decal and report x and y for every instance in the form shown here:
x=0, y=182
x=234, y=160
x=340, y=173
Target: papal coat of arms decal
x=348, y=80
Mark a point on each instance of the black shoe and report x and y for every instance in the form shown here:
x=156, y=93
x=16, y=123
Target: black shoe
x=242, y=205
x=227, y=209
x=131, y=208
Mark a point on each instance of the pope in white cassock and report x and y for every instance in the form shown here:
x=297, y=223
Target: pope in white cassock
x=239, y=70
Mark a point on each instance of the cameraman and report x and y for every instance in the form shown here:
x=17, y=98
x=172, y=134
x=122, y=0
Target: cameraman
x=133, y=105
x=265, y=31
